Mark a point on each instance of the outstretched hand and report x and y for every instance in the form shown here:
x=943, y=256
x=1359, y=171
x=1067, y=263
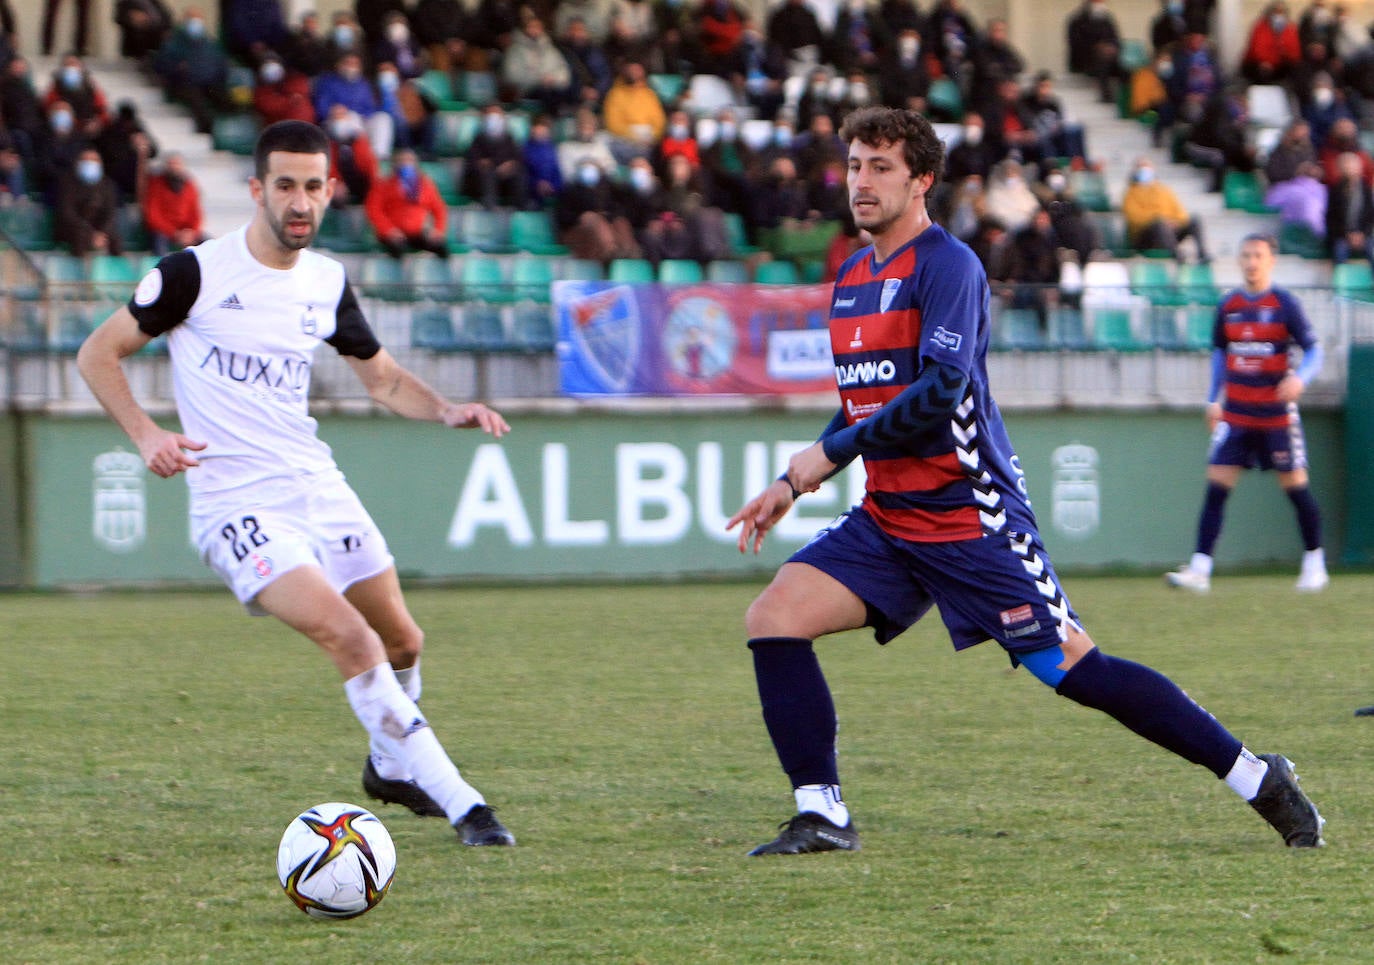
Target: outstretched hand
x=761, y=514
x=476, y=415
x=164, y=452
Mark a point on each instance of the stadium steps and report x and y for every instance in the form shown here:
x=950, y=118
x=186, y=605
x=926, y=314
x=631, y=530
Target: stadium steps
x=222, y=177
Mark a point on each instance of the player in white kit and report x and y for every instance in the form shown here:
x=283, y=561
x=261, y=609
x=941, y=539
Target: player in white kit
x=271, y=512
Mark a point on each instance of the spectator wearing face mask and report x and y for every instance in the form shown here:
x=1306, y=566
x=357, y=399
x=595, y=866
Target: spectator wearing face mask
x=193, y=68
x=1219, y=140
x=678, y=141
x=307, y=49
x=1010, y=125
x=1009, y=198
x=1318, y=25
x=406, y=211
x=973, y=156
x=125, y=149
x=372, y=16
x=73, y=84
x=345, y=37
x=1059, y=137
x=719, y=30
x=1317, y=66
x=726, y=162
x=780, y=145
x=591, y=71
x=1343, y=139
x=1168, y=27
x=400, y=100
x=633, y=115
x=793, y=26
x=23, y=113
x=591, y=218
x=1073, y=230
x=858, y=92
x=816, y=98
x=1195, y=78
x=397, y=46
x=493, y=169
x=1327, y=106
x=1293, y=150
x=171, y=208
x=1301, y=199
x=817, y=146
x=903, y=76
x=587, y=143
x=777, y=198
x=352, y=159
x=281, y=94
x=682, y=224
x=345, y=86
x=1149, y=92
x=86, y=210
x=1350, y=212
x=57, y=150
x=1155, y=218
x=1273, y=48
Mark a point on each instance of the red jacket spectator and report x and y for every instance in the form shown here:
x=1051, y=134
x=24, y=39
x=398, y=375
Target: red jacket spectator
x=1343, y=139
x=286, y=100
x=167, y=211
x=390, y=208
x=1273, y=49
x=720, y=27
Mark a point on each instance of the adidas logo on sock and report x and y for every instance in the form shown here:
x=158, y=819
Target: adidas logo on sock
x=232, y=302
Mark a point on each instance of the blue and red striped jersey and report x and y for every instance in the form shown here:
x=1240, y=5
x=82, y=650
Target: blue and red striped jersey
x=1256, y=331
x=928, y=302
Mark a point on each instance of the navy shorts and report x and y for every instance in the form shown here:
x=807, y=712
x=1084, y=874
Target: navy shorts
x=998, y=587
x=1283, y=449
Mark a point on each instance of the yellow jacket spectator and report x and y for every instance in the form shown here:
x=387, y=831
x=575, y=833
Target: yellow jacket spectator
x=1155, y=218
x=632, y=112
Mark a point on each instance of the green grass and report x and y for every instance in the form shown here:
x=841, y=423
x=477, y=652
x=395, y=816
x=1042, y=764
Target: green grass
x=155, y=745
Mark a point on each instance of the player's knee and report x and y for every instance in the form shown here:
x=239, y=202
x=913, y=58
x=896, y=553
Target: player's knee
x=766, y=616
x=403, y=648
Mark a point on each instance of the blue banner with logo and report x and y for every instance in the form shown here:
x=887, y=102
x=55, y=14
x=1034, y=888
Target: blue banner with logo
x=692, y=339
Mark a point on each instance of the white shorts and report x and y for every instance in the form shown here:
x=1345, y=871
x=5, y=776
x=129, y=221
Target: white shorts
x=251, y=536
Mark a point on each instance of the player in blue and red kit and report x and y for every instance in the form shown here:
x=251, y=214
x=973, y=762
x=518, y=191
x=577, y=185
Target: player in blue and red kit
x=945, y=520
x=1252, y=410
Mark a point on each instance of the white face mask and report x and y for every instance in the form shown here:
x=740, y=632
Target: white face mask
x=88, y=171
x=272, y=72
x=1323, y=96
x=589, y=174
x=1056, y=182
x=494, y=125
x=1144, y=175
x=858, y=93
x=909, y=47
x=641, y=180
x=678, y=132
x=388, y=80
x=973, y=134
x=728, y=130
x=397, y=33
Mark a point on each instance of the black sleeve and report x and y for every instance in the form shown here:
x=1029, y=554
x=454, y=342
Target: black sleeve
x=165, y=295
x=352, y=335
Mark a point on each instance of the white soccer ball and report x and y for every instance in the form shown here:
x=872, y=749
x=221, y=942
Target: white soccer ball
x=336, y=861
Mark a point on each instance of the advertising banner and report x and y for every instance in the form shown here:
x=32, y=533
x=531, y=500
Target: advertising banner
x=692, y=340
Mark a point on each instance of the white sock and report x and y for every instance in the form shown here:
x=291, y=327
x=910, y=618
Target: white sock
x=1314, y=559
x=1246, y=774
x=823, y=799
x=401, y=731
x=386, y=766
x=1201, y=563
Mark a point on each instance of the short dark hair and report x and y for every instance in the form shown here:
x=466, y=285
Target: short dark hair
x=292, y=137
x=1264, y=238
x=922, y=149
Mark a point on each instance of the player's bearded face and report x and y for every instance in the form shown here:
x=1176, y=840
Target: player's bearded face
x=880, y=186
x=296, y=192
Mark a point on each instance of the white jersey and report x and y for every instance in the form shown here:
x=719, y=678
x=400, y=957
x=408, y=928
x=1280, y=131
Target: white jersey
x=241, y=337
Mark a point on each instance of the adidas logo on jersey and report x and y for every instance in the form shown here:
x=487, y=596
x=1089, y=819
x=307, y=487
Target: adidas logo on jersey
x=232, y=302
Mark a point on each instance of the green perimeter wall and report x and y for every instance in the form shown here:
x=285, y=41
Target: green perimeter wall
x=593, y=495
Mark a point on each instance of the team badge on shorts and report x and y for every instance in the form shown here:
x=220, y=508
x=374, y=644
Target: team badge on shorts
x=262, y=565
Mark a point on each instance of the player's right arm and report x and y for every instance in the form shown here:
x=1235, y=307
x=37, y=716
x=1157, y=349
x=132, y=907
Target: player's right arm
x=100, y=363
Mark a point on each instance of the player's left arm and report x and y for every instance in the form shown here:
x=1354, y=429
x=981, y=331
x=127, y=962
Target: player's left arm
x=1290, y=389
x=391, y=384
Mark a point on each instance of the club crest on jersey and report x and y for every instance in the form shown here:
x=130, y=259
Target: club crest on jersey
x=890, y=286
x=149, y=288
x=309, y=324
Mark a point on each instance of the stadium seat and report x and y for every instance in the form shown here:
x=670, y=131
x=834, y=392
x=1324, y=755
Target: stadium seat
x=1066, y=329
x=24, y=334
x=582, y=269
x=454, y=131
x=431, y=327
x=631, y=270
x=484, y=280
x=437, y=88
x=533, y=327
x=812, y=271
x=1112, y=329
x=776, y=273
x=482, y=328
x=1106, y=274
x=63, y=269
x=668, y=87
x=1019, y=329
x=1198, y=324
x=727, y=270
x=532, y=231
x=736, y=234
x=484, y=230
x=1241, y=190
x=113, y=277
x=679, y=271
x=444, y=174
x=1090, y=189
x=29, y=225
x=347, y=230
x=1298, y=239
x=380, y=277
x=133, y=230
x=74, y=323
x=428, y=277
x=236, y=133
x=1353, y=280
x=1267, y=105
x=1153, y=280
x=1164, y=330
x=944, y=101
x=478, y=88
x=706, y=94
x=531, y=276
x=1196, y=284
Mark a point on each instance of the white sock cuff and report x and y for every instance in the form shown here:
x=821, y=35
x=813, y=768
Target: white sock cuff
x=370, y=686
x=409, y=679
x=1246, y=774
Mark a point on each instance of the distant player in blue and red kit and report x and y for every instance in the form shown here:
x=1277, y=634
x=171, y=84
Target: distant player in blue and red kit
x=1252, y=410
x=945, y=520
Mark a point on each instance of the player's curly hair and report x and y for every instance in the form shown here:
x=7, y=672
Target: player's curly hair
x=879, y=126
x=293, y=137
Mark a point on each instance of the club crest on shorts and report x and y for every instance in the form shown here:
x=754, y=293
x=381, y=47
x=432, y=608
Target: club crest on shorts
x=262, y=565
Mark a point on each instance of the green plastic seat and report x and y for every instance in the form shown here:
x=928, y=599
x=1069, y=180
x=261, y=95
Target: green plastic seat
x=428, y=277
x=777, y=273
x=581, y=269
x=454, y=131
x=1090, y=188
x=533, y=327
x=1112, y=329
x=1298, y=239
x=727, y=270
x=532, y=231
x=484, y=230
x=679, y=271
x=1153, y=280
x=1018, y=329
x=483, y=280
x=531, y=277
x=431, y=327
x=445, y=178
x=482, y=328
x=943, y=99
x=478, y=88
x=1353, y=280
x=1198, y=324
x=1066, y=329
x=668, y=87
x=736, y=234
x=631, y=270
x=437, y=87
x=236, y=133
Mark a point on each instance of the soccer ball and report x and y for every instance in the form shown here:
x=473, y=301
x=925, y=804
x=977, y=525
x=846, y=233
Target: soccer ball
x=336, y=861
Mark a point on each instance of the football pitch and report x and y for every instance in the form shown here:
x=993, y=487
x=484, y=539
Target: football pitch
x=156, y=744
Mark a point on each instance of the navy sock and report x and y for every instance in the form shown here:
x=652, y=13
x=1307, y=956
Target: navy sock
x=1309, y=517
x=1153, y=706
x=797, y=708
x=1209, y=525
